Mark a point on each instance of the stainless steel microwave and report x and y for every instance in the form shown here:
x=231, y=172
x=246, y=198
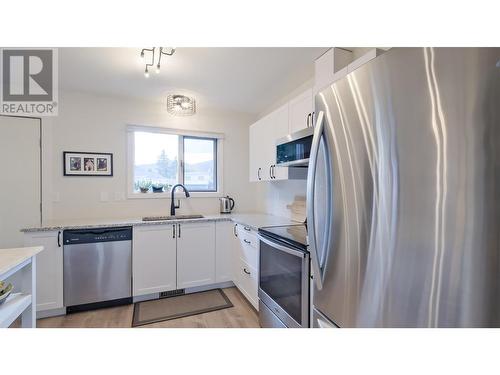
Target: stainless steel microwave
x=294, y=149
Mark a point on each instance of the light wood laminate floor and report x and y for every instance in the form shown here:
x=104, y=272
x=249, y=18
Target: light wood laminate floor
x=241, y=315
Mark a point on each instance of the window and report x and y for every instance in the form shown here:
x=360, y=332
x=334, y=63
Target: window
x=200, y=164
x=160, y=158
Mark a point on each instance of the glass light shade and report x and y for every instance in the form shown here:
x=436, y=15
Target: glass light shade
x=180, y=105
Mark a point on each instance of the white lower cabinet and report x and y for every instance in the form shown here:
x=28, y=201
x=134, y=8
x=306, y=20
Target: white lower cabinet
x=154, y=257
x=226, y=243
x=246, y=264
x=165, y=257
x=195, y=254
x=247, y=282
x=173, y=256
x=49, y=269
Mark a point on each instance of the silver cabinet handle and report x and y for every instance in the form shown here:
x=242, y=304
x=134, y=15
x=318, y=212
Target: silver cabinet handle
x=258, y=173
x=245, y=270
x=179, y=230
x=311, y=177
x=235, y=231
x=246, y=241
x=59, y=239
x=308, y=121
x=173, y=231
x=248, y=229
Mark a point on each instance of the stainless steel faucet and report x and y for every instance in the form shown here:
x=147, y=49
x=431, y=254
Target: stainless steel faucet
x=173, y=206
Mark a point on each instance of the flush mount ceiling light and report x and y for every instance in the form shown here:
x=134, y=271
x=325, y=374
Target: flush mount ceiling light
x=180, y=105
x=150, y=59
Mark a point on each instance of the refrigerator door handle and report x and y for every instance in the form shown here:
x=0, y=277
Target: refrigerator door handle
x=311, y=177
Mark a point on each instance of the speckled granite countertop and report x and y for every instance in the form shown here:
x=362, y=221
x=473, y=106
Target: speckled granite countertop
x=255, y=221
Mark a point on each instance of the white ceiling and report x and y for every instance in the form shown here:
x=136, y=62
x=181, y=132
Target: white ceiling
x=238, y=79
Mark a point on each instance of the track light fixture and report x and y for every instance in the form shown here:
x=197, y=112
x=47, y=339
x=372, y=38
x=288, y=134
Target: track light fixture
x=169, y=51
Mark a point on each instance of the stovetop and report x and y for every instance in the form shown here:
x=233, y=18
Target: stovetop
x=294, y=235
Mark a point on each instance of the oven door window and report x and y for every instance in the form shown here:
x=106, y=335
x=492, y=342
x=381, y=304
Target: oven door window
x=281, y=279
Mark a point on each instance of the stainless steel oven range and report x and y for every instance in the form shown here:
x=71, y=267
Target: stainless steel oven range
x=284, y=271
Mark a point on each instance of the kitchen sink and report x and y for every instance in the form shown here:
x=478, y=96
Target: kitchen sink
x=176, y=217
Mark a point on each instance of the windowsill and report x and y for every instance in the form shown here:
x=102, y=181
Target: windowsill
x=177, y=195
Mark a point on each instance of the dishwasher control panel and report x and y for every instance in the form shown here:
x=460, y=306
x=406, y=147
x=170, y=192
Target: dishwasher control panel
x=80, y=236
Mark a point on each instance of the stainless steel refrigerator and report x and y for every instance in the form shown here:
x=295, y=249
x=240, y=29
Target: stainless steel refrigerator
x=403, y=199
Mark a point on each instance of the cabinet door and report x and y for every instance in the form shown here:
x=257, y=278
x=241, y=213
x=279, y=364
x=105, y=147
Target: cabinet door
x=246, y=264
x=329, y=65
x=262, y=137
x=225, y=247
x=154, y=259
x=49, y=269
x=280, y=130
x=254, y=151
x=195, y=254
x=300, y=111
x=248, y=281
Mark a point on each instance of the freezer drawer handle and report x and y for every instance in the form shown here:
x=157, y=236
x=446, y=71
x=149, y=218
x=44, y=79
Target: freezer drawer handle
x=246, y=241
x=245, y=270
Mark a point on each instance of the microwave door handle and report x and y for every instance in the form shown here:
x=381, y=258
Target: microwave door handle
x=311, y=177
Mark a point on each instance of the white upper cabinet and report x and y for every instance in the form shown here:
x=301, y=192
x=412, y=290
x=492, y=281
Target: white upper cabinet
x=363, y=59
x=330, y=66
x=280, y=126
x=300, y=111
x=262, y=137
x=258, y=152
x=49, y=269
x=195, y=254
x=154, y=259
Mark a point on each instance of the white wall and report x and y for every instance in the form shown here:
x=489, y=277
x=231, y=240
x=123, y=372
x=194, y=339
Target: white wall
x=278, y=197
x=98, y=124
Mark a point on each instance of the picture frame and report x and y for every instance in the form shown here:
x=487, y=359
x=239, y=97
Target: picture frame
x=95, y=164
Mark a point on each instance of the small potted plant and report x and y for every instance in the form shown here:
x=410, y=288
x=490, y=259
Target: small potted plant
x=157, y=187
x=144, y=186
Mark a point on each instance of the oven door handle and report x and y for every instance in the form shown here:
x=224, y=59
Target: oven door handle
x=285, y=249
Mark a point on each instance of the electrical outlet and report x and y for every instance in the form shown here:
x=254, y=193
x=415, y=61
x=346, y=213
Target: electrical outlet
x=119, y=196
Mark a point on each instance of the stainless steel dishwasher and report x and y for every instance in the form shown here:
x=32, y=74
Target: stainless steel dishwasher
x=97, y=268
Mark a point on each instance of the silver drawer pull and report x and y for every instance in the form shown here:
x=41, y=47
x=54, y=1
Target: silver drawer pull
x=245, y=270
x=248, y=229
x=246, y=241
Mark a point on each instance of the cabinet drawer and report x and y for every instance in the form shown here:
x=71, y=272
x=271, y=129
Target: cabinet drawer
x=249, y=249
x=248, y=236
x=248, y=280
